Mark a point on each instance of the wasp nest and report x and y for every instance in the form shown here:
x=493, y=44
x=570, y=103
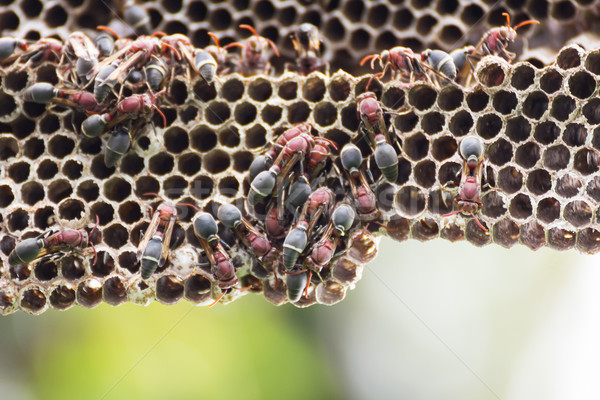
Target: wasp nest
x=512, y=158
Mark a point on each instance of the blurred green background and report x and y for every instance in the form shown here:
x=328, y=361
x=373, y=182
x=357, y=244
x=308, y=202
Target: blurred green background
x=428, y=320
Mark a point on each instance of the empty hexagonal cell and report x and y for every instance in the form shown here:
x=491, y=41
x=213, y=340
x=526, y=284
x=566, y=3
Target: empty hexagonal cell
x=588, y=240
x=88, y=190
x=452, y=232
x=527, y=155
x=560, y=239
x=533, y=235
x=203, y=138
x=325, y=113
x=586, y=161
x=117, y=189
x=105, y=264
x=33, y=300
x=416, y=146
x=575, y=135
x=539, y=181
x=475, y=234
x=314, y=89
x=450, y=98
x=46, y=170
x=491, y=75
x=410, y=201
x=510, y=180
x=197, y=289
x=578, y=213
x=298, y=112
x=592, y=62
x=128, y=261
x=404, y=122
x=244, y=113
x=425, y=229
x=339, y=88
x=443, y=148
x=204, y=92
x=593, y=188
x=104, y=211
x=520, y=207
x=548, y=210
x=535, y=105
x=568, y=185
x=32, y=192
x=505, y=102
x=71, y=210
x=114, y=291
x=217, y=112
x=569, y=57
x=440, y=202
x=288, y=90
x=477, y=100
x=506, y=233
x=169, y=289
x=493, y=204
x=500, y=152
x=19, y=171
x=115, y=236
x=46, y=270
x=582, y=84
x=551, y=81
x=19, y=272
x=176, y=139
x=202, y=187
x=425, y=173
x=432, y=122
x=557, y=157
x=562, y=107
x=518, y=129
x=522, y=77
x=591, y=111
x=546, y=132
x=89, y=293
x=72, y=268
x=489, y=125
x=99, y=169
x=62, y=297
x=18, y=220
x=422, y=97
x=32, y=149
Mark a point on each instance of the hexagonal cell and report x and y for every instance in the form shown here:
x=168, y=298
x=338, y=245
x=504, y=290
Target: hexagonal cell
x=271, y=114
x=233, y=90
x=488, y=126
x=546, y=132
x=592, y=62
x=586, y=161
x=500, y=152
x=169, y=289
x=46, y=270
x=432, y=122
x=160, y=164
x=539, y=181
x=510, y=180
x=562, y=107
x=416, y=146
x=346, y=271
x=591, y=111
x=339, y=89
x=202, y=187
x=551, y=81
x=425, y=229
x=588, y=241
x=593, y=188
x=288, y=90
x=569, y=57
x=9, y=147
x=362, y=247
x=398, y=228
x=410, y=201
x=444, y=147
x=18, y=220
x=62, y=297
x=493, y=204
x=276, y=295
x=535, y=105
x=520, y=207
x=518, y=129
x=533, y=235
x=128, y=261
x=325, y=114
x=528, y=155
x=104, y=265
x=477, y=100
x=560, y=239
x=557, y=157
x=314, y=89
x=404, y=123
x=33, y=300
x=578, y=213
x=506, y=233
x=475, y=234
x=451, y=97
x=72, y=268
x=32, y=192
x=568, y=185
x=422, y=97
x=491, y=74
x=452, y=232
x=522, y=77
x=548, y=210
x=89, y=293
x=197, y=289
x=582, y=85
x=298, y=112
x=425, y=173
x=505, y=102
x=244, y=113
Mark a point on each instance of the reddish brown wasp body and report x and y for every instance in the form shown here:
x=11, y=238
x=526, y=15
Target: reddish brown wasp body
x=497, y=39
x=254, y=57
x=138, y=104
x=468, y=200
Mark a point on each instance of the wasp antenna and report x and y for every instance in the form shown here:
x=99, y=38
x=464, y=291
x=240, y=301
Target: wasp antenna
x=451, y=214
x=215, y=38
x=307, y=283
x=152, y=194
x=250, y=28
x=371, y=80
x=159, y=34
x=478, y=223
x=507, y=18
x=273, y=46
x=328, y=141
x=161, y=114
x=95, y=254
x=234, y=44
x=177, y=55
x=217, y=300
x=95, y=226
x=528, y=22
x=107, y=29
x=365, y=59
x=189, y=205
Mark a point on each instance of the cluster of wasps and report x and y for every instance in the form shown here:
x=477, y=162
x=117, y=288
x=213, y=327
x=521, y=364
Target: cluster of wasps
x=307, y=200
